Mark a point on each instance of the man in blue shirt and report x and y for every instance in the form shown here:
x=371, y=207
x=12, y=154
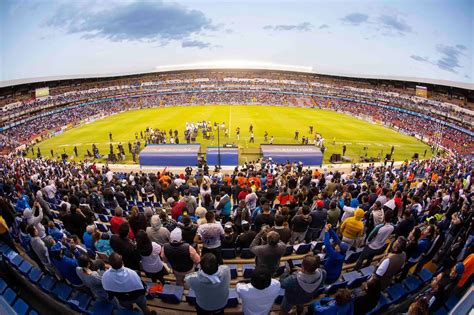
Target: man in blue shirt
x=64, y=265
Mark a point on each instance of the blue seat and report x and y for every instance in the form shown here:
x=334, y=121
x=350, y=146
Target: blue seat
x=80, y=301
x=367, y=271
x=25, y=267
x=103, y=218
x=318, y=247
x=47, y=283
x=233, y=271
x=425, y=275
x=35, y=274
x=3, y=286
x=396, y=292
x=280, y=270
x=32, y=312
x=451, y=302
x=102, y=308
x=297, y=262
x=228, y=253
x=171, y=294
x=245, y=253
x=128, y=312
x=62, y=291
x=288, y=251
x=441, y=311
x=349, y=276
x=355, y=283
x=247, y=271
x=303, y=249
x=352, y=256
x=233, y=299
x=334, y=287
x=15, y=259
x=412, y=283
x=383, y=302
x=102, y=227
x=319, y=291
x=4, y=248
x=9, y=295
x=191, y=297
x=20, y=307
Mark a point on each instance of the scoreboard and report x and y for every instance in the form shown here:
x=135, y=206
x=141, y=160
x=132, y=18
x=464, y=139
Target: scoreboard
x=42, y=92
x=422, y=91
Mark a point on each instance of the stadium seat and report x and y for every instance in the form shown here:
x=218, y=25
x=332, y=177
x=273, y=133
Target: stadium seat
x=191, y=297
x=233, y=299
x=80, y=301
x=383, y=302
x=319, y=291
x=396, y=292
x=47, y=283
x=352, y=256
x=245, y=253
x=32, y=312
x=128, y=312
x=14, y=259
x=349, y=276
x=102, y=308
x=4, y=248
x=367, y=271
x=425, y=275
x=9, y=295
x=20, y=307
x=247, y=271
x=102, y=227
x=303, y=249
x=280, y=270
x=25, y=267
x=62, y=291
x=233, y=271
x=412, y=283
x=171, y=294
x=228, y=253
x=355, y=283
x=318, y=247
x=3, y=286
x=441, y=311
x=103, y=218
x=289, y=250
x=451, y=302
x=334, y=287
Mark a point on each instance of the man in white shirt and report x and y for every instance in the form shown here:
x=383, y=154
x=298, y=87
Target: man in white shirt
x=376, y=241
x=259, y=295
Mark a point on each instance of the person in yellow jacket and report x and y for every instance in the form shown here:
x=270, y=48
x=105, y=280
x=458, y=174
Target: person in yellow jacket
x=352, y=229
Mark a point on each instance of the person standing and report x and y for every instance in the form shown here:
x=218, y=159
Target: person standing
x=211, y=285
x=268, y=249
x=110, y=136
x=259, y=295
x=125, y=285
x=252, y=138
x=209, y=234
x=75, y=151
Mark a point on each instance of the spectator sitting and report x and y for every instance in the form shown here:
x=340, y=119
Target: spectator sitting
x=88, y=237
x=302, y=284
x=64, y=265
x=90, y=278
x=259, y=295
x=211, y=285
x=125, y=285
x=54, y=232
x=366, y=302
x=102, y=243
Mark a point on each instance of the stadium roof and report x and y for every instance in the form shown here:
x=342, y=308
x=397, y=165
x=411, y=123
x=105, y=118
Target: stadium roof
x=226, y=65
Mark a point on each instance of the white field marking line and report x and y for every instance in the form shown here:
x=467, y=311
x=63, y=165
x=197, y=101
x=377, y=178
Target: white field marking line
x=230, y=121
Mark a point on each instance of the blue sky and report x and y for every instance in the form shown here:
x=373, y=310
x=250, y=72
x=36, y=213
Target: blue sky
x=427, y=39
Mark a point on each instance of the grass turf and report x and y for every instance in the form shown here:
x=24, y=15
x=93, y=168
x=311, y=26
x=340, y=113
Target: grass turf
x=280, y=122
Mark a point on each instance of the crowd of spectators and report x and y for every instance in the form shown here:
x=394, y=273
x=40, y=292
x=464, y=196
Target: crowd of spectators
x=418, y=215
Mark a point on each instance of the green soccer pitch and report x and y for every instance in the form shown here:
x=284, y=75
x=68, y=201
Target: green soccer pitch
x=279, y=122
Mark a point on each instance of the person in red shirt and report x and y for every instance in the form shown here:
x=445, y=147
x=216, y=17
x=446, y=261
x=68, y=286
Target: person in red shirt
x=177, y=209
x=242, y=194
x=116, y=220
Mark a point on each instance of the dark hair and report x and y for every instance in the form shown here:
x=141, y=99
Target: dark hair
x=115, y=261
x=209, y=216
x=343, y=296
x=279, y=220
x=83, y=261
x=261, y=278
x=311, y=263
x=124, y=229
x=419, y=307
x=31, y=230
x=388, y=216
x=186, y=220
x=144, y=245
x=273, y=238
x=305, y=210
x=209, y=264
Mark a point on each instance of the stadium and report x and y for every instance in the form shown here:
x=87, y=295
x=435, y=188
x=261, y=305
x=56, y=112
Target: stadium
x=235, y=187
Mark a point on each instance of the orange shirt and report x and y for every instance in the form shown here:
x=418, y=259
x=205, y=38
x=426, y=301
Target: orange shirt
x=468, y=270
x=242, y=181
